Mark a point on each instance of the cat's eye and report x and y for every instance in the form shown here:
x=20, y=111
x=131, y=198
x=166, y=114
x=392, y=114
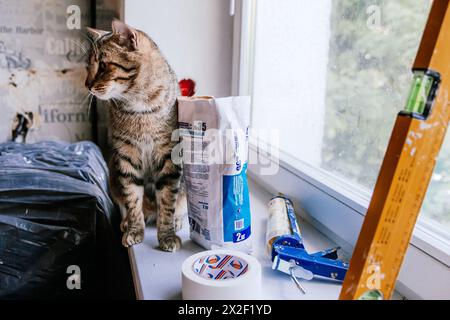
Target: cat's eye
x=102, y=66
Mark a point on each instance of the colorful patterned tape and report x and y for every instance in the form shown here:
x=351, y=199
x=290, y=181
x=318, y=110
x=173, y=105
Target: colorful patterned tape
x=220, y=267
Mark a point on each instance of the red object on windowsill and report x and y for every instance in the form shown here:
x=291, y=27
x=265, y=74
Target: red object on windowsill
x=187, y=87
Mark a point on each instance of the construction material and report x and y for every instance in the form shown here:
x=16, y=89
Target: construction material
x=215, y=149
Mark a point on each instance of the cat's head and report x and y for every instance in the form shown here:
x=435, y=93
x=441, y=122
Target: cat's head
x=115, y=60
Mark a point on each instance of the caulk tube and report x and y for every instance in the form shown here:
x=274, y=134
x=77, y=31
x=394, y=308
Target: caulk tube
x=282, y=221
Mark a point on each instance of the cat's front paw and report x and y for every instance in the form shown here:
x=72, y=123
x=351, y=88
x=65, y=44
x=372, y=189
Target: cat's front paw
x=124, y=225
x=132, y=237
x=170, y=243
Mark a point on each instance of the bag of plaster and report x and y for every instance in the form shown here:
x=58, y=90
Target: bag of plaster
x=214, y=135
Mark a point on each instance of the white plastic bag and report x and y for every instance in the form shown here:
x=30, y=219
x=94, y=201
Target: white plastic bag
x=215, y=150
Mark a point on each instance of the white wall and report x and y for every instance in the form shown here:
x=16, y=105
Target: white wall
x=194, y=35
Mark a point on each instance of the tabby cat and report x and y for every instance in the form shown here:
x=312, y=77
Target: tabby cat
x=127, y=69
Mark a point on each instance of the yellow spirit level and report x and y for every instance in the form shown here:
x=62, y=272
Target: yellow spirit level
x=407, y=168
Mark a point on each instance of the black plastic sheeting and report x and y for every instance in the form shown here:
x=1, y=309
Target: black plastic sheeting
x=55, y=212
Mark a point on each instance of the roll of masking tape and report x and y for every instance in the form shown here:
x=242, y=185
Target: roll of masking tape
x=221, y=275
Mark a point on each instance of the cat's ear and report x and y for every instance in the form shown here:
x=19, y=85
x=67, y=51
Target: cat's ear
x=95, y=34
x=128, y=35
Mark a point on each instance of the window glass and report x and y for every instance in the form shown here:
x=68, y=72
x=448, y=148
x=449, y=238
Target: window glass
x=331, y=77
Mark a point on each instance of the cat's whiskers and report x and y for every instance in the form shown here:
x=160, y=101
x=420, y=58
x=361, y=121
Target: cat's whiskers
x=93, y=44
x=128, y=101
x=85, y=99
x=137, y=95
x=115, y=102
x=79, y=45
x=89, y=106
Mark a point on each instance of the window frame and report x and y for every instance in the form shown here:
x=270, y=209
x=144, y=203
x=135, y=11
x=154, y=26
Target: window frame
x=320, y=192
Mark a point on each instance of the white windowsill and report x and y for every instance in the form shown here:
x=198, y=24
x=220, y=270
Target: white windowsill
x=157, y=274
x=427, y=236
x=337, y=209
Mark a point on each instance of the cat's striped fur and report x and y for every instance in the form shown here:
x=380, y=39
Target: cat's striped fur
x=127, y=69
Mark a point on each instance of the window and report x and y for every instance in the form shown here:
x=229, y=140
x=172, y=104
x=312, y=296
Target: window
x=367, y=82
x=331, y=77
x=336, y=75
